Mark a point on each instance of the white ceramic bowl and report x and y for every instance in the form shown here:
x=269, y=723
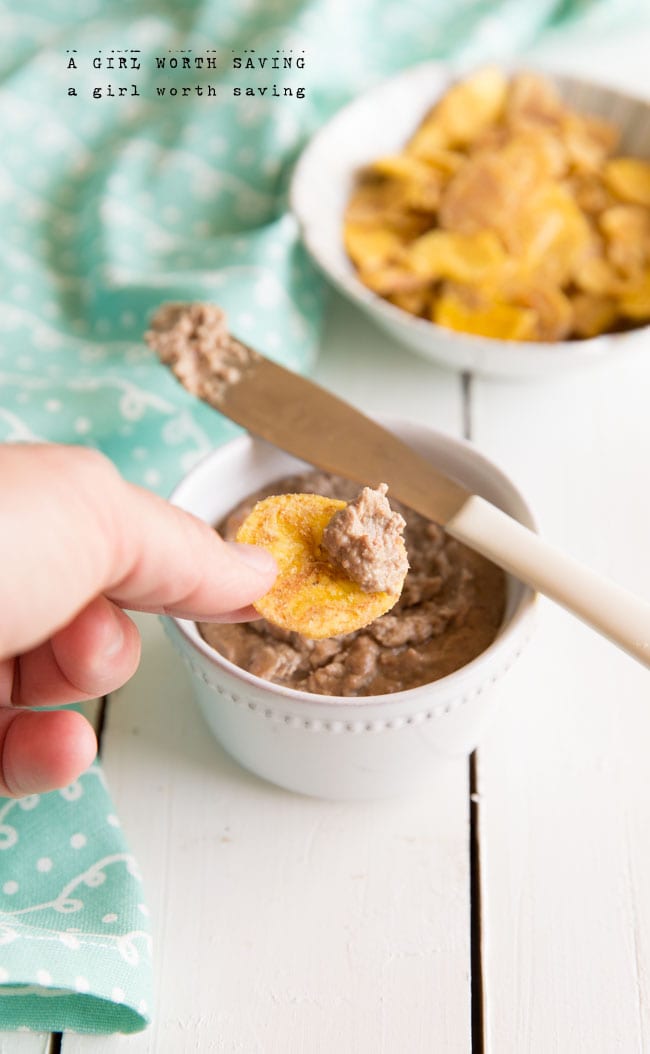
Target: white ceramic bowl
x=379, y=122
x=332, y=746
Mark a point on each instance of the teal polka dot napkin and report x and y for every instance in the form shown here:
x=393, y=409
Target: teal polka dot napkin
x=121, y=188
x=75, y=947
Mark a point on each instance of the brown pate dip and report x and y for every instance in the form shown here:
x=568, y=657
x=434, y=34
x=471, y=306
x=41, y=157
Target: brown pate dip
x=193, y=339
x=366, y=540
x=449, y=611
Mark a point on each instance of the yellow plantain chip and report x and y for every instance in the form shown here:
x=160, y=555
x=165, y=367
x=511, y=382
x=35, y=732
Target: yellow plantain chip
x=552, y=236
x=470, y=106
x=311, y=595
x=459, y=257
x=445, y=162
x=394, y=280
x=493, y=189
x=592, y=314
x=629, y=179
x=371, y=247
x=634, y=302
x=428, y=140
x=626, y=229
x=590, y=193
x=504, y=210
x=401, y=166
x=416, y=302
x=532, y=99
x=553, y=311
x=417, y=184
x=376, y=202
x=498, y=320
x=587, y=141
x=597, y=277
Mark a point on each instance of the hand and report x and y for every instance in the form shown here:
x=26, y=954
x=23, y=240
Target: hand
x=79, y=544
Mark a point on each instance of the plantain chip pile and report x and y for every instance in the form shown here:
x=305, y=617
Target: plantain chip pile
x=507, y=215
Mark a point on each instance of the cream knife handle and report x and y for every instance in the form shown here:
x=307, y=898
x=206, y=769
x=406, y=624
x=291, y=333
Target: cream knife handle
x=614, y=612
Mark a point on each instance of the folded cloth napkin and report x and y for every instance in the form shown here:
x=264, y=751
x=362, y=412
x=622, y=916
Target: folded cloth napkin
x=74, y=938
x=109, y=205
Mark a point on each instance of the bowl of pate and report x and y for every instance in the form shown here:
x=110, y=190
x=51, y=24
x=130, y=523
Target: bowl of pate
x=372, y=713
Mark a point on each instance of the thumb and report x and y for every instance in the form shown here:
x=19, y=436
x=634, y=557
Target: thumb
x=235, y=576
x=257, y=559
x=254, y=570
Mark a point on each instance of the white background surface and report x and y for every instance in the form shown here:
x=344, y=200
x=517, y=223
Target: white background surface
x=285, y=925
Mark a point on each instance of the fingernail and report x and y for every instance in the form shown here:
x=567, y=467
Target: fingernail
x=254, y=557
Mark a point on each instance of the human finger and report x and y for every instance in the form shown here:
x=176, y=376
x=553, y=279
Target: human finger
x=97, y=652
x=44, y=750
x=246, y=614
x=74, y=528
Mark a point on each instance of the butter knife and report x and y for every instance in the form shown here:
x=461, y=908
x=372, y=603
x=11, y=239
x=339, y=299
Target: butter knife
x=306, y=420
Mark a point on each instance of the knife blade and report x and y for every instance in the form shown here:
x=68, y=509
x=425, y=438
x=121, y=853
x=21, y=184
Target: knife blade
x=308, y=421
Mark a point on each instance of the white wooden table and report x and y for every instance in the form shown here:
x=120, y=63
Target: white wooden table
x=508, y=908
